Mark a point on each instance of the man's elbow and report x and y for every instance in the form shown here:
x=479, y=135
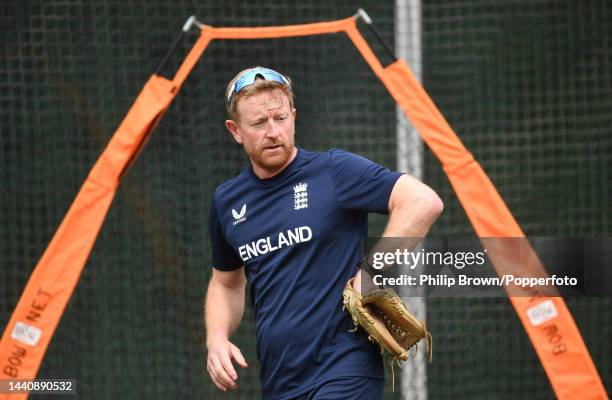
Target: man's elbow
x=416, y=198
x=435, y=206
x=427, y=203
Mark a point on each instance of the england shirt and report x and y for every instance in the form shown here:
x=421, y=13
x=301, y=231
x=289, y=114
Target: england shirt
x=300, y=237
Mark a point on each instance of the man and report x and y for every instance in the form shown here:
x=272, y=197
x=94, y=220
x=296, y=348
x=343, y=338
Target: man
x=291, y=225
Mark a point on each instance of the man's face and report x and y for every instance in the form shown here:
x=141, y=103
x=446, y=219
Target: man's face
x=266, y=129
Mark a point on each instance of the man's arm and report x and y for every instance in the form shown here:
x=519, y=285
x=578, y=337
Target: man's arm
x=223, y=313
x=413, y=208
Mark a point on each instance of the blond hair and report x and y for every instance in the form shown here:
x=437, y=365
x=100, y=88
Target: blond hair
x=260, y=85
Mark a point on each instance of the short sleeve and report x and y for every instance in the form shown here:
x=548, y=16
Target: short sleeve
x=361, y=184
x=224, y=257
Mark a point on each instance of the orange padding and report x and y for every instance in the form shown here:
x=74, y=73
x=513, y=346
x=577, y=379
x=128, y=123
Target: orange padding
x=42, y=303
x=269, y=32
x=557, y=342
x=556, y=339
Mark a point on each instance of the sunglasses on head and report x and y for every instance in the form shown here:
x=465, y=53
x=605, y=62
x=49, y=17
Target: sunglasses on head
x=249, y=77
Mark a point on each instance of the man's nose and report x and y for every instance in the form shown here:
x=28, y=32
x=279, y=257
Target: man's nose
x=273, y=130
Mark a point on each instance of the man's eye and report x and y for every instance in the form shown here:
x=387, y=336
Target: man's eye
x=281, y=118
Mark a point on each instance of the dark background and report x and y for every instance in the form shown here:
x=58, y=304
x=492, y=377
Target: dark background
x=526, y=85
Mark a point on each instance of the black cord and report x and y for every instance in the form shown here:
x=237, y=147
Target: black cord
x=177, y=41
x=380, y=39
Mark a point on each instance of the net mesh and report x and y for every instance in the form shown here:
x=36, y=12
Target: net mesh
x=527, y=87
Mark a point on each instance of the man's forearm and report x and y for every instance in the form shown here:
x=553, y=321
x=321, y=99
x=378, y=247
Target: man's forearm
x=413, y=208
x=223, y=311
x=410, y=217
x=413, y=219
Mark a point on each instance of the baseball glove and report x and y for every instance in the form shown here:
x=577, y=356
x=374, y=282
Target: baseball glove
x=387, y=321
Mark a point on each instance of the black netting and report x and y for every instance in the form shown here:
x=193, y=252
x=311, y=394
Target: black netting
x=527, y=87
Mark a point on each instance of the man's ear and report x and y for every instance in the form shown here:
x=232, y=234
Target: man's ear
x=232, y=127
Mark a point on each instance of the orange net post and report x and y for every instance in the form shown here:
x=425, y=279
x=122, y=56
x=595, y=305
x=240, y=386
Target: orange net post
x=37, y=314
x=568, y=364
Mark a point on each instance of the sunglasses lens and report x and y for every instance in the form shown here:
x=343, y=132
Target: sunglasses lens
x=250, y=76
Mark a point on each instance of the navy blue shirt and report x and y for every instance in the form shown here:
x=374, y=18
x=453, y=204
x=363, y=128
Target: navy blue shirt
x=299, y=236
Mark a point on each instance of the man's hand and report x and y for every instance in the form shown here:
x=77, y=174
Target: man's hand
x=219, y=363
x=224, y=309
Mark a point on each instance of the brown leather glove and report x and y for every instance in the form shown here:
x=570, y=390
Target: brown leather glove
x=384, y=316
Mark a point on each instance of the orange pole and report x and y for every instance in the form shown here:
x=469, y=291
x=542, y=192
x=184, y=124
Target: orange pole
x=566, y=359
x=27, y=335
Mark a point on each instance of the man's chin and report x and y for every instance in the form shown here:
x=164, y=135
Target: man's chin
x=273, y=162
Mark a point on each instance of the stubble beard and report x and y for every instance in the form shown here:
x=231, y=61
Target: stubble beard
x=272, y=162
